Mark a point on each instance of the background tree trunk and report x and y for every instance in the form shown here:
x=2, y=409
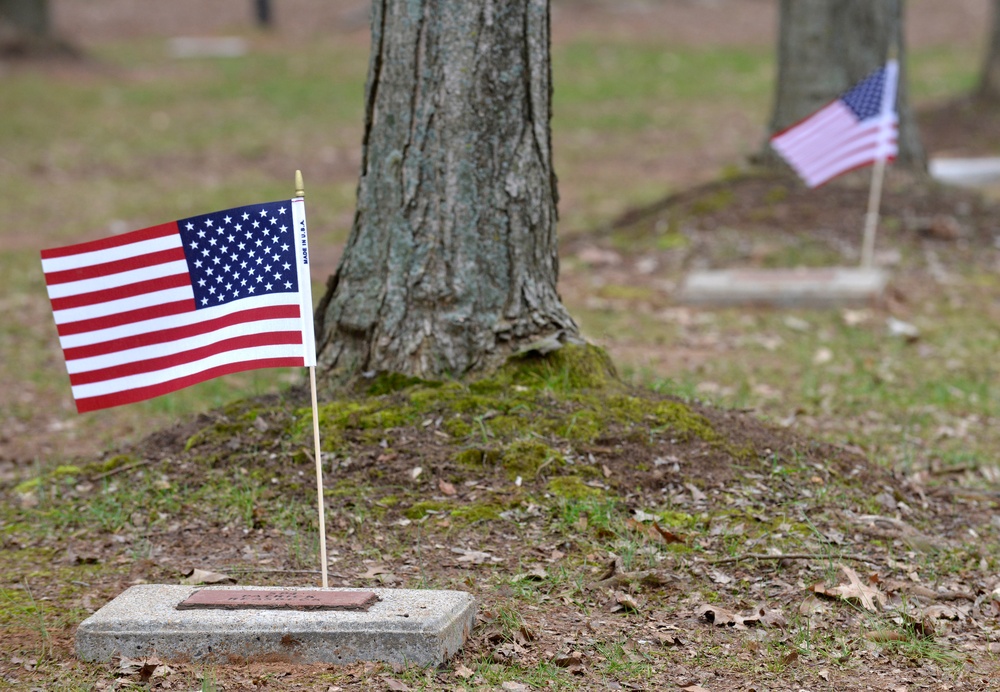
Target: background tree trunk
x=989, y=78
x=451, y=264
x=28, y=17
x=26, y=30
x=825, y=47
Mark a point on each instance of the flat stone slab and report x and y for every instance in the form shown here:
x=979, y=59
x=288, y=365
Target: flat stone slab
x=405, y=626
x=967, y=172
x=806, y=287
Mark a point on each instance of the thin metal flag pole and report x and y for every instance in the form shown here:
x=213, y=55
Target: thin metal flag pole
x=300, y=192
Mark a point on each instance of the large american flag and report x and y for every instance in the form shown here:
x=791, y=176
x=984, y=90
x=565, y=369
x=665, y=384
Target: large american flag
x=855, y=130
x=155, y=310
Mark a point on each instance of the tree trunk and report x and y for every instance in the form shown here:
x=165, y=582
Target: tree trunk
x=989, y=79
x=26, y=30
x=827, y=46
x=28, y=17
x=451, y=263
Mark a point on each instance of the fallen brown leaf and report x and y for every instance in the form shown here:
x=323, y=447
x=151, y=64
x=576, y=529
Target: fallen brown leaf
x=667, y=536
x=624, y=602
x=204, y=576
x=463, y=671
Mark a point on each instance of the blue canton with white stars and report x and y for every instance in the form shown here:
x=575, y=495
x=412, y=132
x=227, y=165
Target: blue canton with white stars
x=865, y=99
x=240, y=253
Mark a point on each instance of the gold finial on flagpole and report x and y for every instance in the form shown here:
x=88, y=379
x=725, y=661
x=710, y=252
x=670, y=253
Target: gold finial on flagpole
x=300, y=188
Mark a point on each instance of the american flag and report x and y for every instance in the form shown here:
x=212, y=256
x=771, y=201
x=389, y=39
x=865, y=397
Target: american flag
x=152, y=311
x=855, y=130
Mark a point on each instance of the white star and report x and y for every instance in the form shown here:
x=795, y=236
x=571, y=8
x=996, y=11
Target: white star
x=288, y=284
x=197, y=264
x=238, y=227
x=267, y=268
x=209, y=272
x=201, y=232
x=243, y=282
x=215, y=260
x=260, y=277
x=267, y=231
x=230, y=238
x=229, y=287
x=208, y=222
x=222, y=297
x=236, y=294
x=243, y=265
x=267, y=287
x=194, y=244
x=259, y=242
x=201, y=282
x=263, y=212
x=226, y=268
x=204, y=253
x=242, y=246
x=204, y=301
x=281, y=210
x=277, y=276
x=287, y=266
x=212, y=241
x=228, y=218
x=245, y=216
x=283, y=228
x=189, y=226
x=284, y=247
x=212, y=290
x=256, y=224
x=273, y=221
x=251, y=289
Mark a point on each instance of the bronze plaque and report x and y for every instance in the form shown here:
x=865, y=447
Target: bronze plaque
x=288, y=599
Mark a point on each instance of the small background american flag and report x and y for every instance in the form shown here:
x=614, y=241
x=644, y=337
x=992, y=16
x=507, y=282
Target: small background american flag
x=855, y=130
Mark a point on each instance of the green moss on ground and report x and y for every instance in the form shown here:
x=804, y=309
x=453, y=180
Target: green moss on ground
x=572, y=488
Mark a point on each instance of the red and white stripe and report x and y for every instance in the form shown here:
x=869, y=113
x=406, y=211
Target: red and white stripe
x=125, y=312
x=832, y=141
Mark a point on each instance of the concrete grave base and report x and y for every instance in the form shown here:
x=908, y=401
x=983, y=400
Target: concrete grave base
x=407, y=626
x=804, y=287
x=970, y=172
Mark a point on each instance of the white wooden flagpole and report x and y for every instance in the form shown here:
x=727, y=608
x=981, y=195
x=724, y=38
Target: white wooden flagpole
x=871, y=218
x=319, y=477
x=878, y=174
x=300, y=192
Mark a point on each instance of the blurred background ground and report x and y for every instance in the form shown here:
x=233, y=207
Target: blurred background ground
x=652, y=98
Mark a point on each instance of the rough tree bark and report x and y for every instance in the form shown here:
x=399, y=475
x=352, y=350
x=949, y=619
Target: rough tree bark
x=451, y=263
x=825, y=47
x=989, y=78
x=23, y=23
x=26, y=30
